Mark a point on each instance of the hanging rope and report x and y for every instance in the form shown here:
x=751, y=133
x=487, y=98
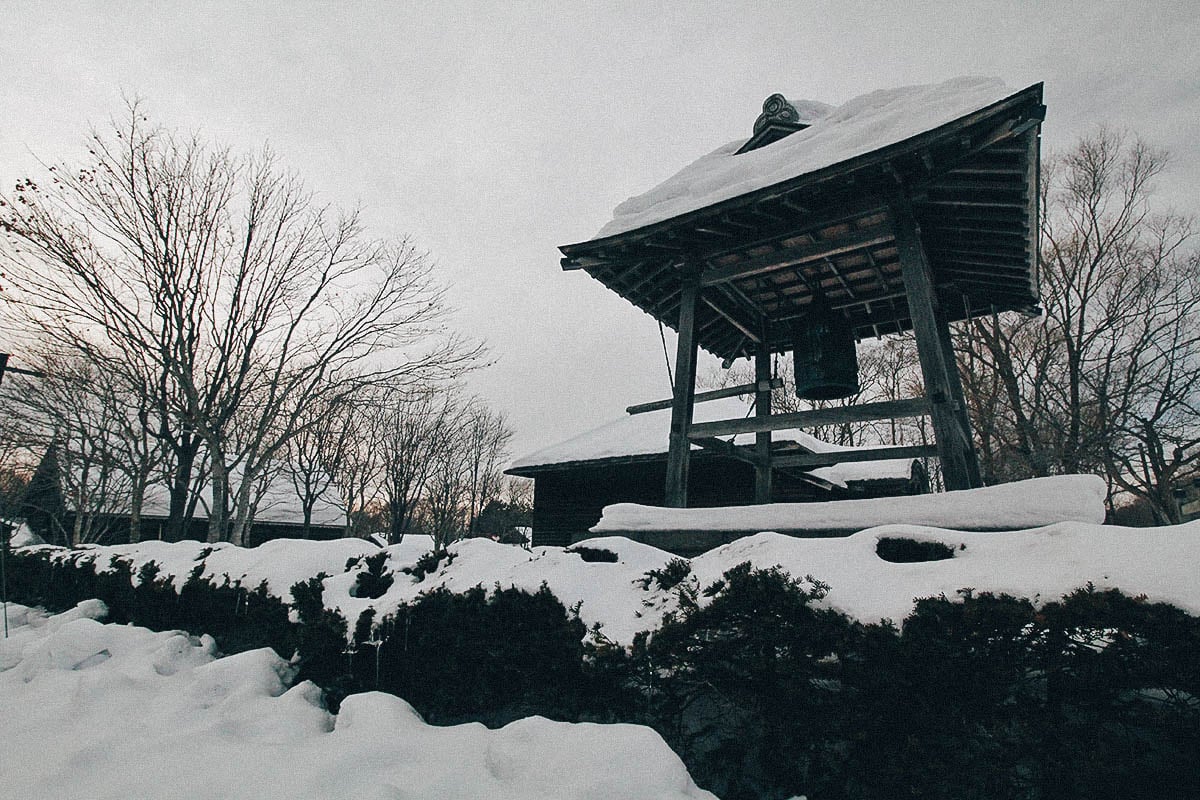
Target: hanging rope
x=662, y=334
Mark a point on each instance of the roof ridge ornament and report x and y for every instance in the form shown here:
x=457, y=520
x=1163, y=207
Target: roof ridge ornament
x=778, y=119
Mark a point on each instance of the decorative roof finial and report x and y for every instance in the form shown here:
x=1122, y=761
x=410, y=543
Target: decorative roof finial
x=778, y=119
x=776, y=109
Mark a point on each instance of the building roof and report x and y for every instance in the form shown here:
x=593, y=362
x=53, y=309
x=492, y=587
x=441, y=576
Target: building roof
x=644, y=437
x=810, y=212
x=279, y=504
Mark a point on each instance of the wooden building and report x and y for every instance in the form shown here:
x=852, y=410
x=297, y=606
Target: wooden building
x=279, y=515
x=902, y=210
x=625, y=461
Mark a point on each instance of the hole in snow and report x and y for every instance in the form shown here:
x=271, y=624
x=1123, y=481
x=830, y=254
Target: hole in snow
x=908, y=551
x=595, y=555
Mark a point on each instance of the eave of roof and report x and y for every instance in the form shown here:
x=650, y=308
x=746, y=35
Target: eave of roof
x=974, y=181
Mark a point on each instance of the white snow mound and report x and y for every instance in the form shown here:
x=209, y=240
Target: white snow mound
x=110, y=711
x=1009, y=506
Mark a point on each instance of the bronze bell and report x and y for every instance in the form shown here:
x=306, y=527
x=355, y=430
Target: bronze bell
x=825, y=359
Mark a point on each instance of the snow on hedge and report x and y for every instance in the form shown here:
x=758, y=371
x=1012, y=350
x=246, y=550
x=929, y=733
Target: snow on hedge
x=1040, y=563
x=1008, y=506
x=111, y=711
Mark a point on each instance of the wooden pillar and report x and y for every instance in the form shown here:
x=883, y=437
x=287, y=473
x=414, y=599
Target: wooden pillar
x=762, y=408
x=683, y=397
x=951, y=427
x=957, y=397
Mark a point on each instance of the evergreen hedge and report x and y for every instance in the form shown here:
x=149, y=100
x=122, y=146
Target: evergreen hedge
x=761, y=691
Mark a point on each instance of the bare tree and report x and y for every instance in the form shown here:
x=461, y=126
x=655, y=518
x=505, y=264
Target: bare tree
x=317, y=453
x=80, y=415
x=357, y=472
x=1106, y=379
x=485, y=438
x=416, y=430
x=444, y=499
x=219, y=286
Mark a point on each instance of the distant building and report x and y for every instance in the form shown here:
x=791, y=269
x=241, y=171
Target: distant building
x=625, y=461
x=279, y=515
x=1187, y=494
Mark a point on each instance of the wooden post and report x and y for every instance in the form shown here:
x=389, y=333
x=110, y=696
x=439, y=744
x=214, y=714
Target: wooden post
x=684, y=397
x=958, y=398
x=960, y=468
x=762, y=408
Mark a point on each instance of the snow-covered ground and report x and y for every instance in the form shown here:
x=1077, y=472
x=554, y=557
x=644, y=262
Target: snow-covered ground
x=105, y=711
x=111, y=711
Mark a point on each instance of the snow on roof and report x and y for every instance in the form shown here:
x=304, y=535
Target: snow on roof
x=279, y=504
x=860, y=126
x=647, y=434
x=1009, y=506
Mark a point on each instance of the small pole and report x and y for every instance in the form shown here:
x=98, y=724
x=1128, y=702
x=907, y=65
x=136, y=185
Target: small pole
x=377, y=644
x=7, y=534
x=4, y=367
x=4, y=579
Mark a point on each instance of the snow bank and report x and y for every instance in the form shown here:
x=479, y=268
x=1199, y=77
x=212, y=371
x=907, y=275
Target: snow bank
x=860, y=126
x=1041, y=563
x=107, y=711
x=279, y=562
x=607, y=593
x=1009, y=506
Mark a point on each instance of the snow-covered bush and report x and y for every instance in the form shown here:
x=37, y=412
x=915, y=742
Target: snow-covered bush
x=761, y=687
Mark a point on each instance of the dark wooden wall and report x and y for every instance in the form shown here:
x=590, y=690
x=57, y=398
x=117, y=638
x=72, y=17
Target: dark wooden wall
x=567, y=502
x=117, y=530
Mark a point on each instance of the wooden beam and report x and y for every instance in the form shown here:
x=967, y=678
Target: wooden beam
x=700, y=397
x=810, y=460
x=679, y=449
x=762, y=411
x=940, y=374
x=959, y=404
x=866, y=412
x=722, y=447
x=1033, y=181
x=731, y=319
x=794, y=256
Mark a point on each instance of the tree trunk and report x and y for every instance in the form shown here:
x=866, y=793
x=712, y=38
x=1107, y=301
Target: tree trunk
x=179, y=510
x=136, y=499
x=217, y=514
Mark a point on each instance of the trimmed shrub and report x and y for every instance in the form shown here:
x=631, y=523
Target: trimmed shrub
x=374, y=582
x=429, y=563
x=487, y=657
x=670, y=576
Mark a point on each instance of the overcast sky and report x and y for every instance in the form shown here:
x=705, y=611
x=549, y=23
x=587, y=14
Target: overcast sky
x=493, y=132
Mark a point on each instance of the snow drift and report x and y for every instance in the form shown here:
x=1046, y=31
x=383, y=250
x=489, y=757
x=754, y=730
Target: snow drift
x=1008, y=506
x=108, y=711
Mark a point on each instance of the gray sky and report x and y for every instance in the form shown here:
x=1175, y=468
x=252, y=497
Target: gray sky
x=493, y=132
